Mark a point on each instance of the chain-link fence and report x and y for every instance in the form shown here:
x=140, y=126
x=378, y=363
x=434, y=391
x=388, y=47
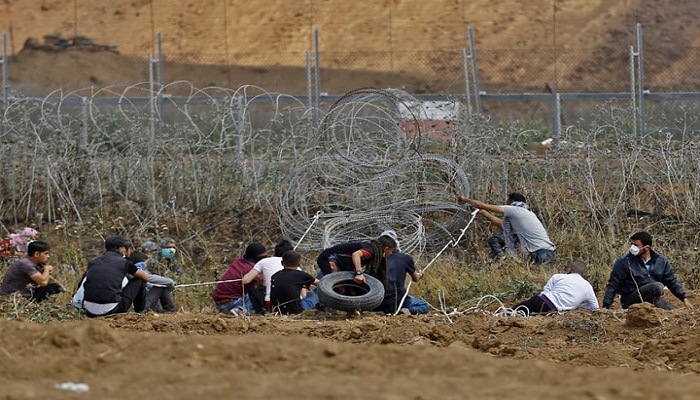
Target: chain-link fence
x=411, y=40
x=393, y=45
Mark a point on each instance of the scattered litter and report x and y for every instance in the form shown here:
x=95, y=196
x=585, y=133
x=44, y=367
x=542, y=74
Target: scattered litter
x=73, y=386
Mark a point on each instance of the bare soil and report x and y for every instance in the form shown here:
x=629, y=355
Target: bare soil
x=641, y=353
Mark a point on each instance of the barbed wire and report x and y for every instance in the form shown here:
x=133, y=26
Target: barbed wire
x=370, y=175
x=372, y=163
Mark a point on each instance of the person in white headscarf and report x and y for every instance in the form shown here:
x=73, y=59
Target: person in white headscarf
x=519, y=221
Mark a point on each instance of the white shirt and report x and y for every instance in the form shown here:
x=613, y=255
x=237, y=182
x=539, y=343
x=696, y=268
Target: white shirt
x=268, y=267
x=570, y=291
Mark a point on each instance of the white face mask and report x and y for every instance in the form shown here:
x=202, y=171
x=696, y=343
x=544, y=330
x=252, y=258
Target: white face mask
x=634, y=250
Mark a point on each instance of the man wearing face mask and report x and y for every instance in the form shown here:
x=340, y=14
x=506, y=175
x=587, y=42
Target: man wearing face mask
x=166, y=255
x=641, y=275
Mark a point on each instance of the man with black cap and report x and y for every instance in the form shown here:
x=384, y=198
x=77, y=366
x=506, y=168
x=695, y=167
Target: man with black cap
x=230, y=296
x=104, y=294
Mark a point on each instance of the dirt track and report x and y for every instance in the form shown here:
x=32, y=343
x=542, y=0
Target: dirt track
x=580, y=355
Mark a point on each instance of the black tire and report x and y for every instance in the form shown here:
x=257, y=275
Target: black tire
x=362, y=297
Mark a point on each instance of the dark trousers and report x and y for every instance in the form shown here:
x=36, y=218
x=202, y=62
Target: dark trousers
x=159, y=299
x=497, y=244
x=650, y=293
x=133, y=293
x=41, y=293
x=536, y=304
x=542, y=256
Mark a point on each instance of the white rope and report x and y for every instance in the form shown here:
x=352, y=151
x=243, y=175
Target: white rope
x=501, y=311
x=208, y=283
x=316, y=217
x=453, y=243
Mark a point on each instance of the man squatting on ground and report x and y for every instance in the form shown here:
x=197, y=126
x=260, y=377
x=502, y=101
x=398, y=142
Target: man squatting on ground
x=358, y=257
x=563, y=292
x=399, y=265
x=267, y=267
x=103, y=291
x=640, y=276
x=230, y=295
x=290, y=287
x=30, y=275
x=519, y=219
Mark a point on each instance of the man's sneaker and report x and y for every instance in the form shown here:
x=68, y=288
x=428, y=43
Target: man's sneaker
x=405, y=311
x=237, y=312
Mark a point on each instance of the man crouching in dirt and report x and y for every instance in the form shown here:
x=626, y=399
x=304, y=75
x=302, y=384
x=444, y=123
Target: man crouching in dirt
x=104, y=294
x=640, y=276
x=31, y=271
x=358, y=257
x=563, y=292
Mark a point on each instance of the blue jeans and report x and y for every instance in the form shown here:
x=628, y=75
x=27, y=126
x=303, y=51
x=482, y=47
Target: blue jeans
x=542, y=256
x=416, y=305
x=236, y=303
x=309, y=303
x=497, y=244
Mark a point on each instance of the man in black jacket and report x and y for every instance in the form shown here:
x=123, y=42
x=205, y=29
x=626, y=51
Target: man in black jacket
x=641, y=275
x=104, y=294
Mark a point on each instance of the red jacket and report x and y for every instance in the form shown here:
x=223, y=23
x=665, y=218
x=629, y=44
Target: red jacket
x=234, y=290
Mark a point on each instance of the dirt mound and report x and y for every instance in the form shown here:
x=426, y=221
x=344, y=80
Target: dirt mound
x=577, y=355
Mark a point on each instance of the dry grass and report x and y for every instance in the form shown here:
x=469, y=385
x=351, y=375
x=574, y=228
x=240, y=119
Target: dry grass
x=197, y=182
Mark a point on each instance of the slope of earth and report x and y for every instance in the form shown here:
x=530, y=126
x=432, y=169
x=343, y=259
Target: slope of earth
x=580, y=355
x=535, y=45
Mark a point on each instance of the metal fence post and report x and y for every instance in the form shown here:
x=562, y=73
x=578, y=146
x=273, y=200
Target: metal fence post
x=317, y=79
x=309, y=89
x=465, y=71
x=159, y=75
x=633, y=91
x=5, y=80
x=83, y=137
x=151, y=102
x=640, y=82
x=475, y=72
x=556, y=119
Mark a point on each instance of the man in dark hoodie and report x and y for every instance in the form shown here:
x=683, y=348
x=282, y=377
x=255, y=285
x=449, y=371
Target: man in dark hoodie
x=230, y=296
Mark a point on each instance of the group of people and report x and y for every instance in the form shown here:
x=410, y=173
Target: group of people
x=113, y=282
x=641, y=275
x=254, y=283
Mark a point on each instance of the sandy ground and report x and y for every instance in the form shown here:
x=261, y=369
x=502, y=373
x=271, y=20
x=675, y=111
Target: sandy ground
x=641, y=353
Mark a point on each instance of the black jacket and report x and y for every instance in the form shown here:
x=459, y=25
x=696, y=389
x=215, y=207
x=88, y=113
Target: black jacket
x=103, y=283
x=629, y=272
